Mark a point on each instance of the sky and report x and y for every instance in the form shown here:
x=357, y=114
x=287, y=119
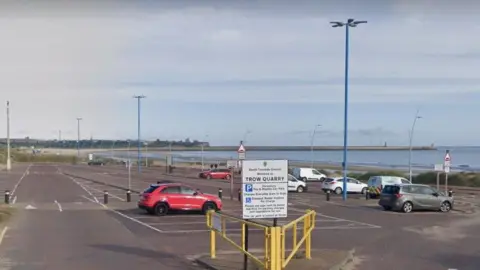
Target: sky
x=222, y=71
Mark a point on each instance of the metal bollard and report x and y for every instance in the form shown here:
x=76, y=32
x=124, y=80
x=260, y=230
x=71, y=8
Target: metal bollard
x=220, y=191
x=328, y=195
x=239, y=195
x=7, y=196
x=158, y=182
x=450, y=193
x=129, y=196
x=105, y=197
x=367, y=195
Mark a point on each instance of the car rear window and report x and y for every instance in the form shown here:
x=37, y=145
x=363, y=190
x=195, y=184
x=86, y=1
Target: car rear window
x=391, y=189
x=329, y=180
x=150, y=189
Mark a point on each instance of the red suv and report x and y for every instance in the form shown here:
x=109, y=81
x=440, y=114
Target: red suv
x=216, y=174
x=159, y=199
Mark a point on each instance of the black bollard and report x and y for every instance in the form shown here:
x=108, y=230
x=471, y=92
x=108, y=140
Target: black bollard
x=239, y=195
x=105, y=197
x=7, y=196
x=158, y=182
x=220, y=191
x=129, y=196
x=328, y=195
x=450, y=193
x=367, y=194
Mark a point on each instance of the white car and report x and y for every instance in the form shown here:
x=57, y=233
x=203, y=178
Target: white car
x=296, y=185
x=336, y=185
x=308, y=174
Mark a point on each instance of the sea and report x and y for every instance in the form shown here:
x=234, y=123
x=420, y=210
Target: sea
x=462, y=158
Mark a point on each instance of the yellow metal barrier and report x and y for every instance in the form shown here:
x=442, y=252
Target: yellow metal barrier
x=308, y=221
x=274, y=255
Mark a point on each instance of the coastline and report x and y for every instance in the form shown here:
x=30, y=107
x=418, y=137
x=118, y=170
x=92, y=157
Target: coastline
x=284, y=148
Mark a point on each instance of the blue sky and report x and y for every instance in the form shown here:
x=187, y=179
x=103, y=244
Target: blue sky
x=220, y=68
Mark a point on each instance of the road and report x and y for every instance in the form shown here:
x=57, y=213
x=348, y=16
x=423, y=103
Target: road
x=57, y=226
x=117, y=235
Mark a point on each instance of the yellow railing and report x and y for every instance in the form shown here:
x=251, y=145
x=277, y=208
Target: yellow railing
x=274, y=238
x=308, y=221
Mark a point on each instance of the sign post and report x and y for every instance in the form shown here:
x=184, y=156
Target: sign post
x=438, y=168
x=447, y=161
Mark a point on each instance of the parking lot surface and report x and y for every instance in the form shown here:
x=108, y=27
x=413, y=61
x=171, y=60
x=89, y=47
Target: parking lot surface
x=383, y=240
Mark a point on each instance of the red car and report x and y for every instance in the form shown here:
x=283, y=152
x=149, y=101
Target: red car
x=216, y=174
x=161, y=198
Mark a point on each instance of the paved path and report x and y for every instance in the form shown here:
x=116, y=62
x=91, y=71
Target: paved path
x=57, y=226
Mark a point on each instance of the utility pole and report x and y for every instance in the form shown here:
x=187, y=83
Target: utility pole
x=78, y=136
x=138, y=130
x=9, y=162
x=311, y=144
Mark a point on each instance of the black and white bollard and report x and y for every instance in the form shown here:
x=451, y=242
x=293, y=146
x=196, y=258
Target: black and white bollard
x=367, y=195
x=328, y=195
x=105, y=197
x=129, y=196
x=450, y=193
x=220, y=193
x=239, y=195
x=7, y=196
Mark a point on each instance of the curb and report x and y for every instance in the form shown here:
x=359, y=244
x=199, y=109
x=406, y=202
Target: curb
x=345, y=262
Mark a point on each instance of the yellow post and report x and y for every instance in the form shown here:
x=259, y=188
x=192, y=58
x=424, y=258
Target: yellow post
x=212, y=234
x=275, y=259
x=308, y=241
x=283, y=235
x=243, y=236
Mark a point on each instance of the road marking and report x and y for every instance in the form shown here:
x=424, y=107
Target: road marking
x=352, y=221
x=86, y=190
x=27, y=171
x=14, y=200
x=2, y=234
x=109, y=194
x=127, y=217
x=59, y=206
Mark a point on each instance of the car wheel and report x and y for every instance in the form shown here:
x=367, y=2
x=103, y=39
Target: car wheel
x=304, y=179
x=364, y=190
x=161, y=209
x=338, y=190
x=209, y=206
x=300, y=189
x=209, y=177
x=387, y=208
x=445, y=207
x=228, y=177
x=407, y=207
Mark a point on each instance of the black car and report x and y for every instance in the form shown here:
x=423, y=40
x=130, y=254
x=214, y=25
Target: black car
x=96, y=162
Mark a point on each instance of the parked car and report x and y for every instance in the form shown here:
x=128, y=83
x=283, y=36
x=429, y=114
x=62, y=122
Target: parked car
x=95, y=162
x=376, y=183
x=159, y=199
x=216, y=174
x=336, y=185
x=308, y=174
x=409, y=197
x=296, y=185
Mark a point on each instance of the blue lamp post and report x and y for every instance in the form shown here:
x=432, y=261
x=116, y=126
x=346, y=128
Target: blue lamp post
x=139, y=146
x=349, y=23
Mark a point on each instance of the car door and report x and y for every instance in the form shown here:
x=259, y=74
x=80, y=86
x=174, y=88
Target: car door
x=432, y=201
x=315, y=175
x=292, y=183
x=174, y=197
x=421, y=197
x=189, y=198
x=352, y=185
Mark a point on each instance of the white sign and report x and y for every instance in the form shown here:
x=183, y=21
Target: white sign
x=90, y=157
x=216, y=223
x=438, y=168
x=446, y=169
x=447, y=161
x=265, y=188
x=241, y=152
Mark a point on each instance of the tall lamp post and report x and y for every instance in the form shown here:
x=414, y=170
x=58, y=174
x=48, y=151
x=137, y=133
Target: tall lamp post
x=312, y=142
x=202, y=145
x=412, y=130
x=78, y=136
x=138, y=130
x=9, y=161
x=349, y=23
x=245, y=135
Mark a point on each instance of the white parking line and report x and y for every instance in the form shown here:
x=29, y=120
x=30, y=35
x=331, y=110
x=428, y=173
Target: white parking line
x=59, y=206
x=352, y=221
x=2, y=234
x=14, y=200
x=27, y=171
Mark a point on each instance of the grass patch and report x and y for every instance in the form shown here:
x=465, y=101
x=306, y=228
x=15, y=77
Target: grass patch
x=18, y=155
x=6, y=213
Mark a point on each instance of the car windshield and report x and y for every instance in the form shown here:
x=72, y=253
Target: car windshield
x=150, y=189
x=391, y=190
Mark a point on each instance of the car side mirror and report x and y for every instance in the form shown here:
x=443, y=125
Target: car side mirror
x=195, y=193
x=435, y=194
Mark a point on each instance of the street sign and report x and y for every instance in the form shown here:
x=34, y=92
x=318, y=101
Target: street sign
x=265, y=189
x=241, y=152
x=447, y=161
x=446, y=169
x=438, y=167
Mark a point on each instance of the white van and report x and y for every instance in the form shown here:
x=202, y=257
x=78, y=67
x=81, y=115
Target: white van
x=308, y=174
x=376, y=183
x=296, y=185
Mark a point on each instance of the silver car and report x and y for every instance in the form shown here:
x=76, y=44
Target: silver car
x=409, y=197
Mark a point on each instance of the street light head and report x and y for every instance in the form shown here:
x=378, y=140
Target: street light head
x=359, y=22
x=419, y=117
x=337, y=24
x=350, y=20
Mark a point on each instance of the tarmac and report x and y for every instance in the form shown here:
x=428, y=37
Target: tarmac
x=62, y=222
